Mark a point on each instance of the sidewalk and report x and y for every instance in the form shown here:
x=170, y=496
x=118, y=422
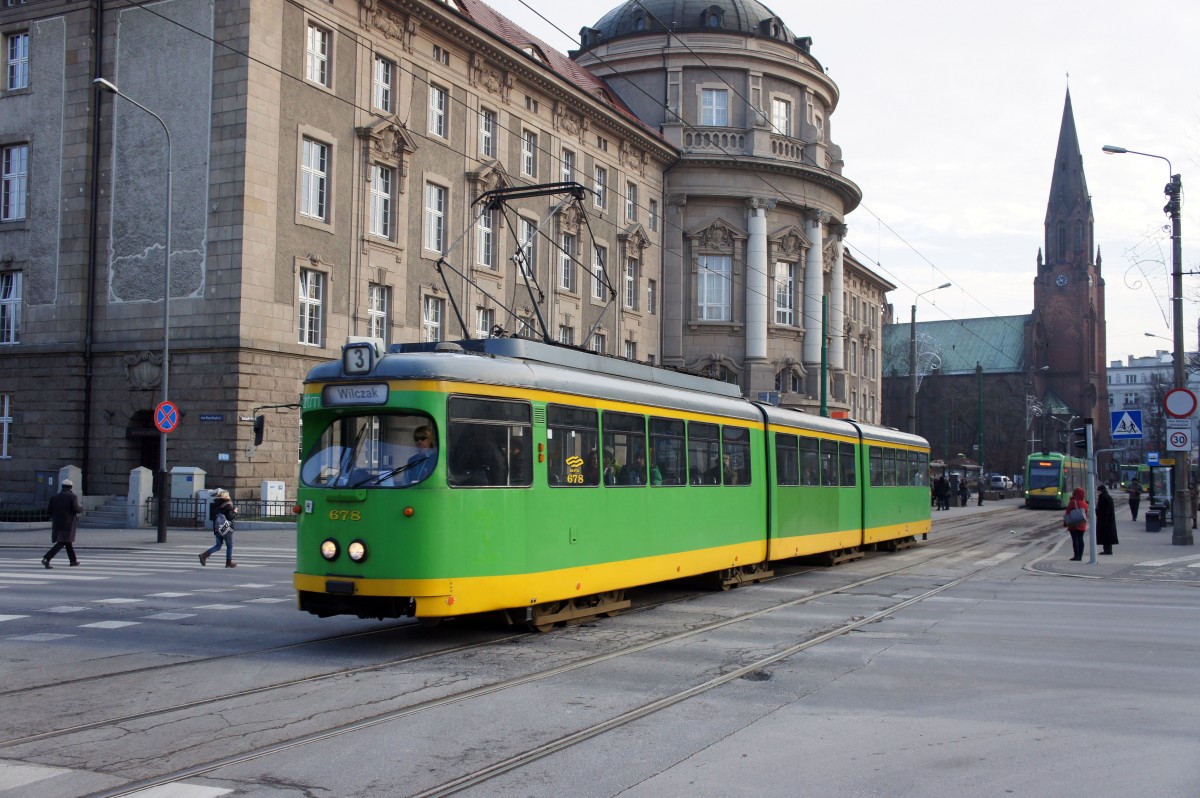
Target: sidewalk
x=263, y=534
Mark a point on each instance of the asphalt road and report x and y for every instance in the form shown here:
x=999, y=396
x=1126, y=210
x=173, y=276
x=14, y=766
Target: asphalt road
x=1013, y=672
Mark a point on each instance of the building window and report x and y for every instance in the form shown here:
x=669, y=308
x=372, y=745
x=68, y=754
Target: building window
x=14, y=182
x=713, y=289
x=631, y=284
x=384, y=84
x=528, y=237
x=653, y=214
x=431, y=318
x=381, y=201
x=599, y=343
x=599, y=257
x=314, y=179
x=781, y=117
x=485, y=322
x=529, y=153
x=631, y=201
x=785, y=292
x=16, y=60
x=566, y=335
x=485, y=239
x=787, y=381
x=441, y=55
x=601, y=181
x=531, y=104
x=714, y=107
x=631, y=350
x=487, y=133
x=379, y=299
x=312, y=306
x=568, y=166
x=601, y=143
x=6, y=426
x=437, y=111
x=652, y=297
x=435, y=218
x=566, y=263
x=317, y=62
x=854, y=357
x=10, y=307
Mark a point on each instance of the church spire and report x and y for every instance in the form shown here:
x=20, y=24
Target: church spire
x=1069, y=211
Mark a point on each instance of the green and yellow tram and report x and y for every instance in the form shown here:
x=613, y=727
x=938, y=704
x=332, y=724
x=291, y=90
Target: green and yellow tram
x=1050, y=477
x=504, y=474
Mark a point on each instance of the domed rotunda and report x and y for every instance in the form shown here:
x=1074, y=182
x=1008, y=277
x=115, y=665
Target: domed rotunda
x=754, y=211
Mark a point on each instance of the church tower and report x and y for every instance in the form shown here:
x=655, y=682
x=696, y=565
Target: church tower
x=1069, y=327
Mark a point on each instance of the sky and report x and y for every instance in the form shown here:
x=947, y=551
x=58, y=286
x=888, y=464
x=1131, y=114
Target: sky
x=948, y=121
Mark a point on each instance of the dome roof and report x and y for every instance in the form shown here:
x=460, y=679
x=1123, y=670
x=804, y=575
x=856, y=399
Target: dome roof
x=640, y=17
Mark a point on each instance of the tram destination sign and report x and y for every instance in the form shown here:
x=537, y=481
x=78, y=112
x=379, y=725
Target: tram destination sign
x=356, y=394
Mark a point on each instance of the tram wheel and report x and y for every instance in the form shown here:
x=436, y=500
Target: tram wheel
x=612, y=597
x=543, y=611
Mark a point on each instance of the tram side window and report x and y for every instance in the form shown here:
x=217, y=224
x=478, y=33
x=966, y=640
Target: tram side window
x=922, y=475
x=876, y=466
x=829, y=464
x=572, y=447
x=810, y=461
x=889, y=467
x=735, y=458
x=846, y=456
x=704, y=453
x=486, y=437
x=787, y=460
x=625, y=438
x=668, y=450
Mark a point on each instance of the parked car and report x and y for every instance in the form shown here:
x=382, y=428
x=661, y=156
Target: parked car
x=1001, y=482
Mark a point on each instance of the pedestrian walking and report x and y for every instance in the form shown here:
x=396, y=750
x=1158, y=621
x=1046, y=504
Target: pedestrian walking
x=64, y=509
x=1075, y=520
x=979, y=488
x=222, y=513
x=1135, y=496
x=1106, y=521
x=1193, y=498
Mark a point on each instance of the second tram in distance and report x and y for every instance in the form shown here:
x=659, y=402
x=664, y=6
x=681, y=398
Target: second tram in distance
x=544, y=481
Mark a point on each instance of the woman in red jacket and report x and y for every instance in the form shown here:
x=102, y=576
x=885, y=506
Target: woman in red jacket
x=1077, y=528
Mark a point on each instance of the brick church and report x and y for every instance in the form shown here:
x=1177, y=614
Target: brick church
x=1027, y=380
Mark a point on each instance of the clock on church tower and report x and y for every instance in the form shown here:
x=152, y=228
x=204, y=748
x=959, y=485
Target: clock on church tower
x=1062, y=280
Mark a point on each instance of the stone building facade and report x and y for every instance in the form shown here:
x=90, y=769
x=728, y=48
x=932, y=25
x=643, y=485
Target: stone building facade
x=325, y=160
x=753, y=263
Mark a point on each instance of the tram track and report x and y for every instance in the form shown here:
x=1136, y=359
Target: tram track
x=967, y=539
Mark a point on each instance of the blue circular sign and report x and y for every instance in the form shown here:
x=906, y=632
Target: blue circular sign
x=166, y=417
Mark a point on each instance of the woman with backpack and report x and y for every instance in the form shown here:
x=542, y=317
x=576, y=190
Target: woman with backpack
x=1075, y=520
x=222, y=513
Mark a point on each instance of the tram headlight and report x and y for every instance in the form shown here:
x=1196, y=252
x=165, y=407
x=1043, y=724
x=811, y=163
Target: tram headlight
x=357, y=551
x=329, y=549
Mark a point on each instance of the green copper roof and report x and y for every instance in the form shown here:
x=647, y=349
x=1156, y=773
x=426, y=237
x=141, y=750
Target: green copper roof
x=997, y=343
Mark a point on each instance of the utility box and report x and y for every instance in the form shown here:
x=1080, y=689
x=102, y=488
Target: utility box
x=186, y=480
x=273, y=498
x=45, y=485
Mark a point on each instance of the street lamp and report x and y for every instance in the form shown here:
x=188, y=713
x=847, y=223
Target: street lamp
x=1174, y=191
x=160, y=490
x=912, y=361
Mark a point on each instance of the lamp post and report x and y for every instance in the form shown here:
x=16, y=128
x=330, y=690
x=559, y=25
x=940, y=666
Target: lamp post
x=1180, y=513
x=912, y=361
x=160, y=490
x=979, y=385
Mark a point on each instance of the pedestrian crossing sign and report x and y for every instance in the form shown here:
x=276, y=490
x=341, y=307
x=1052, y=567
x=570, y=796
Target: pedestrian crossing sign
x=1126, y=424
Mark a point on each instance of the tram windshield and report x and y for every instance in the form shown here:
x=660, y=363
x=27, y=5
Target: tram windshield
x=369, y=451
x=1043, y=475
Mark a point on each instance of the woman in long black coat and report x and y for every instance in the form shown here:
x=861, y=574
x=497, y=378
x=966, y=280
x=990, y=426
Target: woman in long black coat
x=1106, y=521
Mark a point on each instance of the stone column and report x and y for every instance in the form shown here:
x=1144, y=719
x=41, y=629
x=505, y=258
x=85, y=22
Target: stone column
x=837, y=303
x=814, y=290
x=757, y=285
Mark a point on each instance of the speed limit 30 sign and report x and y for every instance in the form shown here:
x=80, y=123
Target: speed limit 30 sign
x=1179, y=438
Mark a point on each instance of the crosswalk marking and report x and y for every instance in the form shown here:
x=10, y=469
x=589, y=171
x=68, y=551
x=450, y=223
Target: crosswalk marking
x=12, y=617
x=170, y=616
x=108, y=624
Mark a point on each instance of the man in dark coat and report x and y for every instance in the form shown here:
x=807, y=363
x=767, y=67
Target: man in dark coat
x=1106, y=520
x=64, y=509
